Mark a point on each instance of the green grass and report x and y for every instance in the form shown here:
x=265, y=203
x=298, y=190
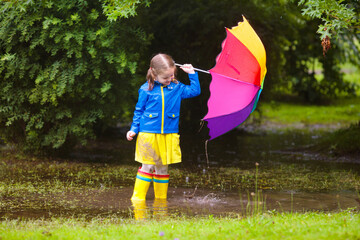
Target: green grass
x=342, y=225
x=341, y=113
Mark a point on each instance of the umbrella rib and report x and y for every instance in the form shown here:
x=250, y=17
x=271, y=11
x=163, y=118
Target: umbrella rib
x=234, y=79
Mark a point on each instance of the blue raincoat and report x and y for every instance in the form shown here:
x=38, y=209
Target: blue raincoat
x=157, y=111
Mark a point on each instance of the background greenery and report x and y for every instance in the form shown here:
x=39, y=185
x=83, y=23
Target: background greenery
x=71, y=69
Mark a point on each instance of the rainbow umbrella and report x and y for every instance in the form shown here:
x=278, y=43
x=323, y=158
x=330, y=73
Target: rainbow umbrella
x=237, y=79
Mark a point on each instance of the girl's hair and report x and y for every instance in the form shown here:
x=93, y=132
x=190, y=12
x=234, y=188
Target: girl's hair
x=158, y=64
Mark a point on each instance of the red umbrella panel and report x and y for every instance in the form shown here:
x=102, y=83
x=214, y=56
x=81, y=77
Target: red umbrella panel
x=237, y=80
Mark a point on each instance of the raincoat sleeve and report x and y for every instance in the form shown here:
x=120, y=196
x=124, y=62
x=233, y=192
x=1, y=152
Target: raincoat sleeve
x=193, y=89
x=139, y=110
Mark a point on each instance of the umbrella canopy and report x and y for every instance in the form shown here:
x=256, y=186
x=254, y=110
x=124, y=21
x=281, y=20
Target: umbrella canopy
x=237, y=79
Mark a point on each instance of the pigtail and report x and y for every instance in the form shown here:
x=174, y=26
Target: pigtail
x=174, y=80
x=150, y=77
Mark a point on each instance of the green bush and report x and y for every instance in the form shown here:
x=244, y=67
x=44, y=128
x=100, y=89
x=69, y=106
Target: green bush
x=63, y=66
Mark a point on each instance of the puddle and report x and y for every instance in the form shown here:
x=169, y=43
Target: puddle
x=116, y=202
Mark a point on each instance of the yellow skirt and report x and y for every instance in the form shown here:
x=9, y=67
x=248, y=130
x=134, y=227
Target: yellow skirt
x=157, y=149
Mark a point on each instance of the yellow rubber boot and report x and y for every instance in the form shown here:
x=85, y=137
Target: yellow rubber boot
x=161, y=183
x=141, y=187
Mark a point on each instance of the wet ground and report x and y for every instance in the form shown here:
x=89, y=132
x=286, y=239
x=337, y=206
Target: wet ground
x=239, y=149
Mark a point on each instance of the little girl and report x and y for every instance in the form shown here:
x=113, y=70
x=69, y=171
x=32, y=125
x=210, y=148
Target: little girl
x=156, y=121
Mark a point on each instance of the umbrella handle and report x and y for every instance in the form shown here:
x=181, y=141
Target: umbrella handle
x=197, y=69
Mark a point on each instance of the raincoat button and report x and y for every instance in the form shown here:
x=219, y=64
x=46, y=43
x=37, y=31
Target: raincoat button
x=150, y=115
x=173, y=115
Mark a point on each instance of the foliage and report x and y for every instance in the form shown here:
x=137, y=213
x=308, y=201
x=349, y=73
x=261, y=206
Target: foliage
x=338, y=17
x=301, y=64
x=115, y=9
x=63, y=66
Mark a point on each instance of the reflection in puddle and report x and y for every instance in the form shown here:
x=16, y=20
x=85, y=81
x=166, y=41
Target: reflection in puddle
x=158, y=210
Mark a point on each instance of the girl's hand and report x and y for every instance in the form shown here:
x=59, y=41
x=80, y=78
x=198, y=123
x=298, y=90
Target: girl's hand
x=188, y=68
x=130, y=135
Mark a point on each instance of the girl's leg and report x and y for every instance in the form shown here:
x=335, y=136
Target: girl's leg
x=142, y=182
x=161, y=181
x=148, y=168
x=161, y=169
